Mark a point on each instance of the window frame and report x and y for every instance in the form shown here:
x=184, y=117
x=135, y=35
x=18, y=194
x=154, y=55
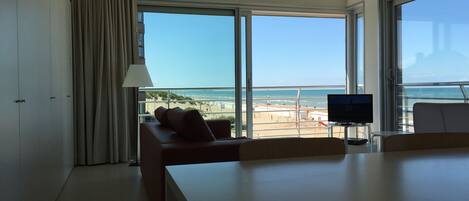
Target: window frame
x=354, y=12
x=238, y=12
x=237, y=40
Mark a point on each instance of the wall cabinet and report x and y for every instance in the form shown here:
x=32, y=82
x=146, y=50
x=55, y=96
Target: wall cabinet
x=36, y=120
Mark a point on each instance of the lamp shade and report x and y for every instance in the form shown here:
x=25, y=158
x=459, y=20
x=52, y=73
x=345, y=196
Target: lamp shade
x=137, y=76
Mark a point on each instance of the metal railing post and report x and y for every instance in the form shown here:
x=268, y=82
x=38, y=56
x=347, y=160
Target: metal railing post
x=464, y=93
x=168, y=99
x=298, y=114
x=406, y=113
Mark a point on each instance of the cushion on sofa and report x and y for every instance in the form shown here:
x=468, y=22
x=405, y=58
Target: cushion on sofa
x=162, y=117
x=190, y=125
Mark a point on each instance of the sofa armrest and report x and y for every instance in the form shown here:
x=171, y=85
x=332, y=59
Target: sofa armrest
x=159, y=150
x=201, y=152
x=220, y=128
x=150, y=161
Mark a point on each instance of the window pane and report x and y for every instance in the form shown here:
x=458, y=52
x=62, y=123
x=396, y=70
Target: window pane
x=432, y=47
x=191, y=60
x=289, y=52
x=433, y=41
x=360, y=55
x=185, y=50
x=298, y=51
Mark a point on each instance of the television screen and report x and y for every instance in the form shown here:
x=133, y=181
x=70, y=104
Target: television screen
x=350, y=108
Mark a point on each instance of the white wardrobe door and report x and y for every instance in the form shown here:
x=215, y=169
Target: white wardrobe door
x=69, y=143
x=61, y=63
x=37, y=142
x=9, y=122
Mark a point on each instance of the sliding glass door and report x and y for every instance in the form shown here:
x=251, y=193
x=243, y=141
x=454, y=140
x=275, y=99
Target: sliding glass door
x=269, y=73
x=432, y=55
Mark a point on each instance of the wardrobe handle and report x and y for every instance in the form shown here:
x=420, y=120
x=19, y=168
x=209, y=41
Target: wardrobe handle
x=52, y=97
x=20, y=101
x=68, y=96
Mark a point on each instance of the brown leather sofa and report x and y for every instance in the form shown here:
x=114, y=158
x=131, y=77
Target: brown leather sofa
x=161, y=146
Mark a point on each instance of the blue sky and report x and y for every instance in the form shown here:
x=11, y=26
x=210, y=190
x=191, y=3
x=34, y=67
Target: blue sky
x=189, y=50
x=298, y=51
x=198, y=50
x=435, y=43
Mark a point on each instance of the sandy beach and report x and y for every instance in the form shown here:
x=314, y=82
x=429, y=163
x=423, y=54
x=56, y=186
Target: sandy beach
x=269, y=120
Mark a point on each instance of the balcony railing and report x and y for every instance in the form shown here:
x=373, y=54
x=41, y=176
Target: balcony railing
x=434, y=92
x=278, y=111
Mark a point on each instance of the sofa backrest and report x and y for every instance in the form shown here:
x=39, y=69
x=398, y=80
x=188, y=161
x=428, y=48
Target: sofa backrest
x=456, y=117
x=163, y=134
x=441, y=118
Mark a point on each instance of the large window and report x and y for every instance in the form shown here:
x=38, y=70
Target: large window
x=288, y=64
x=432, y=54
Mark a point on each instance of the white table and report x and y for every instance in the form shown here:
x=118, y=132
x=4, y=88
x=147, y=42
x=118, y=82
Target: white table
x=440, y=175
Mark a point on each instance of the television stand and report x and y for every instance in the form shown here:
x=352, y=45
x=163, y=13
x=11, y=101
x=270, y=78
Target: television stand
x=346, y=126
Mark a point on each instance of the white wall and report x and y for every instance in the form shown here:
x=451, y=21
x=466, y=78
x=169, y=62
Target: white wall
x=281, y=4
x=353, y=2
x=339, y=4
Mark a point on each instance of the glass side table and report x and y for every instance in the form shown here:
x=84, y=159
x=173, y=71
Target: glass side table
x=331, y=125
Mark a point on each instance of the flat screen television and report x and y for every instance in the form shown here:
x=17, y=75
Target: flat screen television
x=356, y=108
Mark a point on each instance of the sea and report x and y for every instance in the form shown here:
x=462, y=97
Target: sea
x=317, y=98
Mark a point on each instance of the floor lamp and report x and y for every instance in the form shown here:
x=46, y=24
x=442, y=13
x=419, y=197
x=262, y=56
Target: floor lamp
x=137, y=76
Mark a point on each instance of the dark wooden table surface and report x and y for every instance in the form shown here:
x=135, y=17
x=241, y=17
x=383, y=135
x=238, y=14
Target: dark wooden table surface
x=437, y=175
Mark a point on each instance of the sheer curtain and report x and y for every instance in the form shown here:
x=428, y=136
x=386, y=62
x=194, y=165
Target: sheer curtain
x=103, y=47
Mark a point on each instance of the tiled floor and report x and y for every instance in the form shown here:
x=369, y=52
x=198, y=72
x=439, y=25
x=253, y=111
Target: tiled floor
x=104, y=183
x=117, y=182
